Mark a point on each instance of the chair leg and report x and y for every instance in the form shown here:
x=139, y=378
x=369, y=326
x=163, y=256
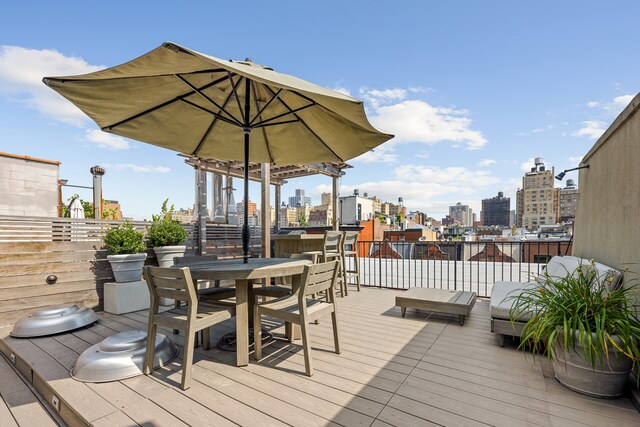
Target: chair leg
x=206, y=338
x=306, y=347
x=151, y=346
x=356, y=269
x=187, y=360
x=343, y=273
x=257, y=338
x=336, y=336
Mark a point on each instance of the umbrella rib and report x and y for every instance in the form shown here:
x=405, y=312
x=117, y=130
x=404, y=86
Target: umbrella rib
x=199, y=92
x=157, y=107
x=276, y=124
x=197, y=150
x=262, y=123
x=235, y=92
x=306, y=125
x=260, y=111
x=214, y=114
x=254, y=89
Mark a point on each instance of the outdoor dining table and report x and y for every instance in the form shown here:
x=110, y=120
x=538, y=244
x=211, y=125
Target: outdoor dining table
x=243, y=274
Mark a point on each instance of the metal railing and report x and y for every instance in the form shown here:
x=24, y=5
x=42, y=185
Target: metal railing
x=465, y=266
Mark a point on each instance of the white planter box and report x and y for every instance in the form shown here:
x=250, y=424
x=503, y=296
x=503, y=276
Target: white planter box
x=126, y=297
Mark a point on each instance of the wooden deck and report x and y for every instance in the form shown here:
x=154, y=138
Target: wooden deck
x=408, y=371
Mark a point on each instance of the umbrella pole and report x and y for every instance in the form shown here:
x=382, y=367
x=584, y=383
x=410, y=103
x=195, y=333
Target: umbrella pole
x=246, y=234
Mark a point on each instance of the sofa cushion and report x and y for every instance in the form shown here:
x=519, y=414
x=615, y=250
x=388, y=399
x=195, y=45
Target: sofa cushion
x=503, y=296
x=562, y=266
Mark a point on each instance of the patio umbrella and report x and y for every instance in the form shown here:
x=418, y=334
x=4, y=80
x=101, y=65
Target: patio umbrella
x=75, y=209
x=186, y=101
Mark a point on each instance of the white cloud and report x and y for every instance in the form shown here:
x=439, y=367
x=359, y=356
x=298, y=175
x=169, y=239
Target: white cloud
x=137, y=168
x=382, y=154
x=622, y=101
x=418, y=121
x=106, y=140
x=592, y=129
x=593, y=104
x=342, y=90
x=575, y=160
x=21, y=73
x=453, y=176
x=526, y=166
x=487, y=162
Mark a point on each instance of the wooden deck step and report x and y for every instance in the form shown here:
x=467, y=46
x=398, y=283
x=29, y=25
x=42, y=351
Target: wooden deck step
x=19, y=404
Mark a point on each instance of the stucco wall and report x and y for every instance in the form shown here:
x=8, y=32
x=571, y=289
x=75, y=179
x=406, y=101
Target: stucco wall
x=28, y=187
x=608, y=218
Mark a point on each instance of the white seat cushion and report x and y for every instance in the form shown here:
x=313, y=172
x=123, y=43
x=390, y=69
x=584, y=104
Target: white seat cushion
x=503, y=296
x=562, y=266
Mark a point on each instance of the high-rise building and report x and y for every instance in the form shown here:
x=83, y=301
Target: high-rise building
x=538, y=201
x=299, y=200
x=495, y=211
x=461, y=213
x=568, y=201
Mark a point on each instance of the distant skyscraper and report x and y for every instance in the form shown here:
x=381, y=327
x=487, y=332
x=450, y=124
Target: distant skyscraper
x=537, y=203
x=495, y=211
x=299, y=200
x=461, y=213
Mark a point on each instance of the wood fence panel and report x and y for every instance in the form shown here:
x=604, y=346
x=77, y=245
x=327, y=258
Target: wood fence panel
x=33, y=248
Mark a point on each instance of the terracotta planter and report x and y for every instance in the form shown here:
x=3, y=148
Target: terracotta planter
x=165, y=254
x=127, y=268
x=607, y=380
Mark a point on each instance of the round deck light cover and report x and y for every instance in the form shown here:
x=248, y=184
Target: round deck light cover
x=54, y=319
x=121, y=356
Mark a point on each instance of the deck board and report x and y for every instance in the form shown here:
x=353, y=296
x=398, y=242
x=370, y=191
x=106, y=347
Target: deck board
x=422, y=370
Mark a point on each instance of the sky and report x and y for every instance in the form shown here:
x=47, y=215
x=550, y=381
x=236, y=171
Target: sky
x=472, y=90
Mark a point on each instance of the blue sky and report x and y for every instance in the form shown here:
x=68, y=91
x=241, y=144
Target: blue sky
x=472, y=90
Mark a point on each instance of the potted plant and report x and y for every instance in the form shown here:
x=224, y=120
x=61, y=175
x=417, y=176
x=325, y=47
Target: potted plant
x=166, y=236
x=126, y=246
x=588, y=326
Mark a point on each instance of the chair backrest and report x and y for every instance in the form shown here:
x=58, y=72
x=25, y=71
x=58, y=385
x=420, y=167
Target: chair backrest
x=350, y=240
x=333, y=241
x=319, y=277
x=194, y=259
x=170, y=283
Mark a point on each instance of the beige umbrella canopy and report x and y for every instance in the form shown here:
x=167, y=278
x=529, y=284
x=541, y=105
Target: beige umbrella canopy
x=186, y=101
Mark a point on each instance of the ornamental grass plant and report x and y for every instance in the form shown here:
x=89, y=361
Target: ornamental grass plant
x=582, y=309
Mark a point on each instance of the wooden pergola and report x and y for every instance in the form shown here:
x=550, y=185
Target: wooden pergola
x=267, y=175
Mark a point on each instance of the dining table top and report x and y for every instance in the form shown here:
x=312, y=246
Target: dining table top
x=254, y=268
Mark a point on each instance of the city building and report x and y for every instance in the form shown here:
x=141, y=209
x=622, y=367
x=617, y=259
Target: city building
x=288, y=217
x=538, y=201
x=568, y=201
x=355, y=208
x=29, y=186
x=184, y=216
x=462, y=213
x=299, y=200
x=252, y=207
x=496, y=210
x=111, y=209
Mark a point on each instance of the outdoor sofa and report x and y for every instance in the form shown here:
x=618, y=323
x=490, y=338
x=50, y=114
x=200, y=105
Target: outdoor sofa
x=504, y=294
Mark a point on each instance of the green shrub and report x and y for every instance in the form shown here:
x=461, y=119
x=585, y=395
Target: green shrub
x=164, y=231
x=124, y=239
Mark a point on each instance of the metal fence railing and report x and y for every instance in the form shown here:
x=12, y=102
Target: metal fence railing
x=468, y=266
